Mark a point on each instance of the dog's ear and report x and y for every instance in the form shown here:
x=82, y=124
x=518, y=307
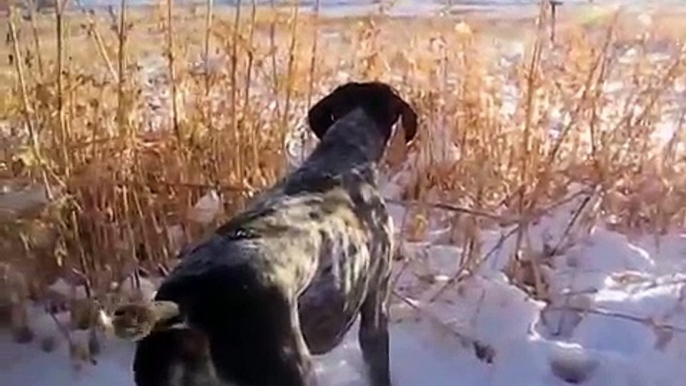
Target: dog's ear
x=409, y=120
x=322, y=115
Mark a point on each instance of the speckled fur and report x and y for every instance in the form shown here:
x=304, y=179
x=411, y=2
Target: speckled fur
x=287, y=277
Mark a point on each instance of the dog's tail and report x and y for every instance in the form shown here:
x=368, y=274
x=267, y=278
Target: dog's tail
x=135, y=321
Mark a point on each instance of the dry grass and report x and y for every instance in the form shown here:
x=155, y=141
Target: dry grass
x=122, y=119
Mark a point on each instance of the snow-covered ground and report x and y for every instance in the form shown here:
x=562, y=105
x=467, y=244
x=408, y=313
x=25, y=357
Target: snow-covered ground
x=616, y=317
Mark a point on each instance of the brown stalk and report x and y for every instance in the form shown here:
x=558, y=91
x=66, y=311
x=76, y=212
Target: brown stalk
x=36, y=38
x=575, y=217
x=289, y=76
x=313, y=70
x=147, y=241
x=449, y=207
x=601, y=61
x=27, y=109
x=653, y=94
x=553, y=16
x=81, y=252
x=122, y=34
x=206, y=54
x=171, y=57
x=209, y=16
x=313, y=54
x=70, y=89
x=100, y=45
x=401, y=240
x=531, y=89
x=238, y=166
x=248, y=81
x=63, y=140
x=613, y=314
x=596, y=144
x=130, y=233
x=273, y=50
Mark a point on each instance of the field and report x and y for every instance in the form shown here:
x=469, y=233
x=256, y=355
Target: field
x=539, y=213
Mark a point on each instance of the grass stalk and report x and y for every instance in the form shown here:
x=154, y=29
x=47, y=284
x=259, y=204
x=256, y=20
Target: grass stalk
x=36, y=38
x=209, y=15
x=237, y=141
x=248, y=81
x=171, y=64
x=122, y=34
x=313, y=53
x=63, y=142
x=27, y=109
x=273, y=50
x=100, y=45
x=289, y=77
x=526, y=145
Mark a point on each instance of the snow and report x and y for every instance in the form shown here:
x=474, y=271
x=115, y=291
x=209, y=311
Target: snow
x=26, y=365
x=207, y=208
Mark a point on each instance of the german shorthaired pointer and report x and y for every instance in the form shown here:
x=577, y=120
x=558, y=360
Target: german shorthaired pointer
x=285, y=278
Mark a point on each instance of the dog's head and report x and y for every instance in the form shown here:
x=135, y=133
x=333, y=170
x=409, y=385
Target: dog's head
x=378, y=100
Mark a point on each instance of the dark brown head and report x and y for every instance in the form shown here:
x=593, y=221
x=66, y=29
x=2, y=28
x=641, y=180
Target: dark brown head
x=377, y=99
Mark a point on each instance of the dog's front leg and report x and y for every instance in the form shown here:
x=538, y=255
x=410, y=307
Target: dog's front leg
x=373, y=335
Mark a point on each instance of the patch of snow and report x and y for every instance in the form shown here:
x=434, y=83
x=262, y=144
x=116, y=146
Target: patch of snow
x=67, y=291
x=207, y=208
x=342, y=367
x=147, y=289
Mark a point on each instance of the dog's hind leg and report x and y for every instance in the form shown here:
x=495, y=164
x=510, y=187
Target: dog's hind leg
x=297, y=355
x=373, y=335
x=263, y=344
x=295, y=366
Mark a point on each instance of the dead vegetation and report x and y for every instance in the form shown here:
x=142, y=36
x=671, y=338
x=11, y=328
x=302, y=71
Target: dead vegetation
x=115, y=124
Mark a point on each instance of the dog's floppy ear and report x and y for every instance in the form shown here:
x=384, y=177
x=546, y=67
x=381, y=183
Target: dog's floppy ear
x=322, y=115
x=409, y=120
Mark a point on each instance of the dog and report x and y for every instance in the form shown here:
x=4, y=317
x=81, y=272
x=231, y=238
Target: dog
x=285, y=278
